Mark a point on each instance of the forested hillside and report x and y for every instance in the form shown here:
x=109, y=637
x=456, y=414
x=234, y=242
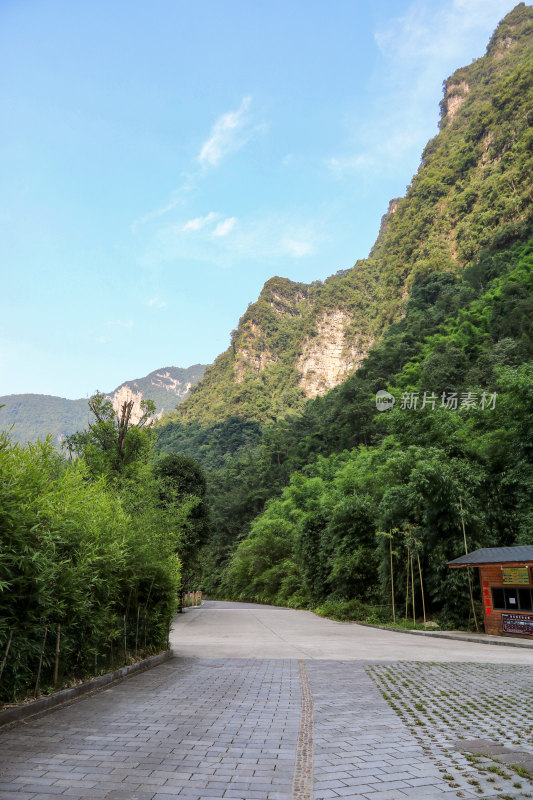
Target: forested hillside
x=440, y=315
x=473, y=188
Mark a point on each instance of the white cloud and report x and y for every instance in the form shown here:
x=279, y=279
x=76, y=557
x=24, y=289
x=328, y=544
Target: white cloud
x=198, y=223
x=229, y=133
x=274, y=238
x=156, y=302
x=352, y=163
x=439, y=35
x=119, y=323
x=225, y=227
x=177, y=198
x=158, y=212
x=296, y=247
x=419, y=49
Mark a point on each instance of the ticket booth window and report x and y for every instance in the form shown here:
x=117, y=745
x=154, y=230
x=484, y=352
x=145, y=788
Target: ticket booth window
x=516, y=599
x=525, y=599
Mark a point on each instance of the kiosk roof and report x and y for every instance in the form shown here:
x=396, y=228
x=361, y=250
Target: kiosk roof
x=494, y=555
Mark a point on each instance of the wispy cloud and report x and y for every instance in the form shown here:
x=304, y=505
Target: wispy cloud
x=341, y=164
x=419, y=48
x=198, y=223
x=225, y=227
x=222, y=227
x=228, y=240
x=159, y=212
x=229, y=133
x=119, y=323
x=440, y=35
x=156, y=302
x=177, y=198
x=296, y=247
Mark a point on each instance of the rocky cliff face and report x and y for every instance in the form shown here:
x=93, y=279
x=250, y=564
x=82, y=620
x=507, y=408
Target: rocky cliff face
x=473, y=188
x=329, y=356
x=166, y=387
x=35, y=416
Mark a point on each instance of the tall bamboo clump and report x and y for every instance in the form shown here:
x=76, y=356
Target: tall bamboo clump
x=412, y=565
x=70, y=558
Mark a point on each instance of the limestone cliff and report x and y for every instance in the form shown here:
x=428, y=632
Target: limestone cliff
x=473, y=188
x=329, y=356
x=35, y=416
x=166, y=387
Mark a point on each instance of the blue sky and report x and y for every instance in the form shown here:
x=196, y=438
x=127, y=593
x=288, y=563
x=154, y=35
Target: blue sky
x=160, y=161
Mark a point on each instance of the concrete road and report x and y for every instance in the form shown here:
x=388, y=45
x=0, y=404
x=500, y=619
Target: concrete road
x=244, y=630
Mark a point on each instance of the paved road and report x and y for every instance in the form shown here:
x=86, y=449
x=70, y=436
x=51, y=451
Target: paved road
x=243, y=630
x=270, y=704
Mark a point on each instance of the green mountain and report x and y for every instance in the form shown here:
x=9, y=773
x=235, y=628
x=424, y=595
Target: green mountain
x=473, y=189
x=318, y=499
x=35, y=416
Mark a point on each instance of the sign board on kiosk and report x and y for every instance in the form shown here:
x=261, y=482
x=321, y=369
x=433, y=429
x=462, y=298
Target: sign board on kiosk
x=515, y=576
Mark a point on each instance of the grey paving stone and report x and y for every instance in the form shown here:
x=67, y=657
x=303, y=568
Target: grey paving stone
x=206, y=729
x=189, y=728
x=9, y=795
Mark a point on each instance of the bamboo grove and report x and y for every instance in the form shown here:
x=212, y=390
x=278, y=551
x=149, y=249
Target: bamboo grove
x=89, y=562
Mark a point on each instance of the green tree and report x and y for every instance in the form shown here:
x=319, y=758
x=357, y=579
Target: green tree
x=114, y=443
x=181, y=480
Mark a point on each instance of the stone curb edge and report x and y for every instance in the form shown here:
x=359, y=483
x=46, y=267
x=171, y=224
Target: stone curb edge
x=503, y=642
x=65, y=696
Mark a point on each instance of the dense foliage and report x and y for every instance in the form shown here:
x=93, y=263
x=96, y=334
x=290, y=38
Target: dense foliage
x=76, y=553
x=29, y=417
x=91, y=549
x=471, y=332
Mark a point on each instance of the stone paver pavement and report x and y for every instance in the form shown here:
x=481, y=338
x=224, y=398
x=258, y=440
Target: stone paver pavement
x=300, y=727
x=188, y=728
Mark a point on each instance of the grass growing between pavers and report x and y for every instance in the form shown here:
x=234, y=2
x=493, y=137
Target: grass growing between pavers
x=445, y=705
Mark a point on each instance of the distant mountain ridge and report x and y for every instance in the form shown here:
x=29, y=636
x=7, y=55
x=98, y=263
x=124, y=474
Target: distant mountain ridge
x=34, y=416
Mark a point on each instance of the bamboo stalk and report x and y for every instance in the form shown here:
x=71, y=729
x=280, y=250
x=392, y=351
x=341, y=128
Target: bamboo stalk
x=125, y=643
x=145, y=621
x=422, y=589
x=468, y=568
x=56, y=666
x=40, y=663
x=137, y=630
x=407, y=587
x=6, y=653
x=392, y=579
x=413, y=590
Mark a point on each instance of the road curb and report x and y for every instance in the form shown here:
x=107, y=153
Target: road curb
x=492, y=640
x=65, y=696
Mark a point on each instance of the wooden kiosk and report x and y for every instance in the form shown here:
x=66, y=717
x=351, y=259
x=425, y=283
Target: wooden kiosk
x=506, y=577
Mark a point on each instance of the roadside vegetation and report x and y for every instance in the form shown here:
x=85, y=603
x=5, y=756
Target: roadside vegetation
x=90, y=564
